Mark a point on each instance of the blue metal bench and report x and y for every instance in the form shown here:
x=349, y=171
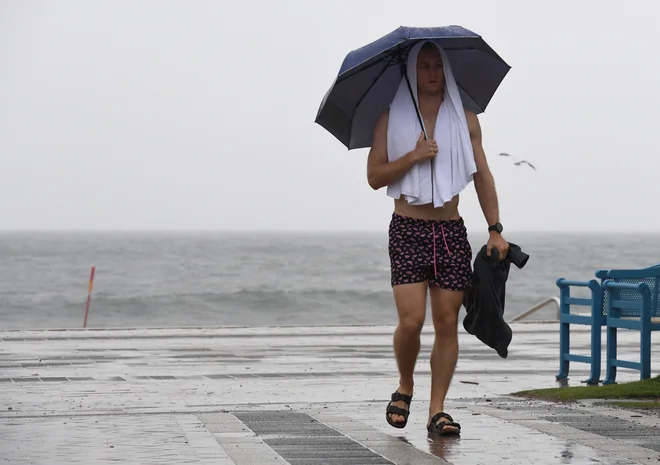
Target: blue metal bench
x=630, y=299
x=604, y=291
x=595, y=318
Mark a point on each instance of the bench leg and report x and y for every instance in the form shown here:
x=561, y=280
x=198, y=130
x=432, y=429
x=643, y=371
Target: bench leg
x=610, y=357
x=645, y=354
x=595, y=353
x=564, y=347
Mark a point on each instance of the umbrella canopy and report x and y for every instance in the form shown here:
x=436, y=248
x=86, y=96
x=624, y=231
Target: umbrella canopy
x=370, y=75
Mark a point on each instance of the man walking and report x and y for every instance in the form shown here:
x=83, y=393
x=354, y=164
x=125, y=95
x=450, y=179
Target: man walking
x=428, y=245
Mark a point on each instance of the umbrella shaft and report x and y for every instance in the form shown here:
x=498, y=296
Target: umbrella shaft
x=419, y=117
x=412, y=95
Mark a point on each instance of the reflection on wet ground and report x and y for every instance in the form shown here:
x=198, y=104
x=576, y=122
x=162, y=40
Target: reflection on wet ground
x=297, y=396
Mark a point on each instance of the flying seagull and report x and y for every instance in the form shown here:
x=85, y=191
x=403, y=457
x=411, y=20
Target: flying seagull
x=518, y=162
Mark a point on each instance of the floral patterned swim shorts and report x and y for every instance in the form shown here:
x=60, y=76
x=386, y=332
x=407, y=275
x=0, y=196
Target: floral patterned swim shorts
x=430, y=250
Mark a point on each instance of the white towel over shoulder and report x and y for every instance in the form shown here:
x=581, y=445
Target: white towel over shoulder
x=454, y=165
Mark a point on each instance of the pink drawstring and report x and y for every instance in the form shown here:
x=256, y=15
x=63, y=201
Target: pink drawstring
x=435, y=266
x=444, y=238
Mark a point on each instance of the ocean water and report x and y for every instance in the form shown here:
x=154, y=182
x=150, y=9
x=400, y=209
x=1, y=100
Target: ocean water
x=192, y=279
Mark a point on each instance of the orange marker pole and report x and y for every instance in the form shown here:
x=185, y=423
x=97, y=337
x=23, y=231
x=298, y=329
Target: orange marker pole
x=89, y=296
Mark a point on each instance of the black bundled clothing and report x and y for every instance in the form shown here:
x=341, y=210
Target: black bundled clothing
x=484, y=298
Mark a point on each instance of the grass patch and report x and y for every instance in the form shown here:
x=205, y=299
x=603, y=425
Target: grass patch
x=641, y=405
x=647, y=390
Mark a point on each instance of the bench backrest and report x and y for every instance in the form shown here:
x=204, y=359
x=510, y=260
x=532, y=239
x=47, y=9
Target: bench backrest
x=650, y=276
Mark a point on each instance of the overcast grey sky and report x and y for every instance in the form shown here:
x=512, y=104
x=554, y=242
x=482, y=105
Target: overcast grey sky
x=167, y=114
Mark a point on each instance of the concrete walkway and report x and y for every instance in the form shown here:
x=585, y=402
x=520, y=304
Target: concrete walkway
x=303, y=395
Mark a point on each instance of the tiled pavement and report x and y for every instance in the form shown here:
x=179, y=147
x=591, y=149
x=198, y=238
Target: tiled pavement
x=312, y=395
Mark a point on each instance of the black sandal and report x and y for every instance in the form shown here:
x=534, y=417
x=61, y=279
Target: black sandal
x=439, y=428
x=397, y=396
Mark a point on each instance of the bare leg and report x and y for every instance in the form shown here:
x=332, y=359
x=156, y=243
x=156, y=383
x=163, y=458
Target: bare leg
x=410, y=301
x=445, y=306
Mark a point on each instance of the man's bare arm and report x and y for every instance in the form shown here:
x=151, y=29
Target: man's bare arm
x=381, y=172
x=484, y=183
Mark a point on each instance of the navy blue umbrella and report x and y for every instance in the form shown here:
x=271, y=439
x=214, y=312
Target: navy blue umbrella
x=370, y=75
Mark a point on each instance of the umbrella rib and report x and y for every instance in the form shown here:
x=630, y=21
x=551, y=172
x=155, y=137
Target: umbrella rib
x=468, y=94
x=359, y=102
x=392, y=59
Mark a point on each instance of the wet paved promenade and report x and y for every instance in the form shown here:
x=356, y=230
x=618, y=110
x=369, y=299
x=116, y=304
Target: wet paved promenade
x=307, y=395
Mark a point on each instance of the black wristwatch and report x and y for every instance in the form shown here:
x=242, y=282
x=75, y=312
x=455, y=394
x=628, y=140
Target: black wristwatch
x=497, y=227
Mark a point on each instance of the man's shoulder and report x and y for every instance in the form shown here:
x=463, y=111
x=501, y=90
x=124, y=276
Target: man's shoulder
x=472, y=122
x=471, y=116
x=383, y=118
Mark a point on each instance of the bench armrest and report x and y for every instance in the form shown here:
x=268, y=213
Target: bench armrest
x=564, y=283
x=642, y=288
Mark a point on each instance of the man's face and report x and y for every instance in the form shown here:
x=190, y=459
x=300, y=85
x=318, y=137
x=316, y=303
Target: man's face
x=430, y=75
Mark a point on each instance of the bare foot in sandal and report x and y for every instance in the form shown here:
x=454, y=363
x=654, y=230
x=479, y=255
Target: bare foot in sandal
x=443, y=424
x=398, y=409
